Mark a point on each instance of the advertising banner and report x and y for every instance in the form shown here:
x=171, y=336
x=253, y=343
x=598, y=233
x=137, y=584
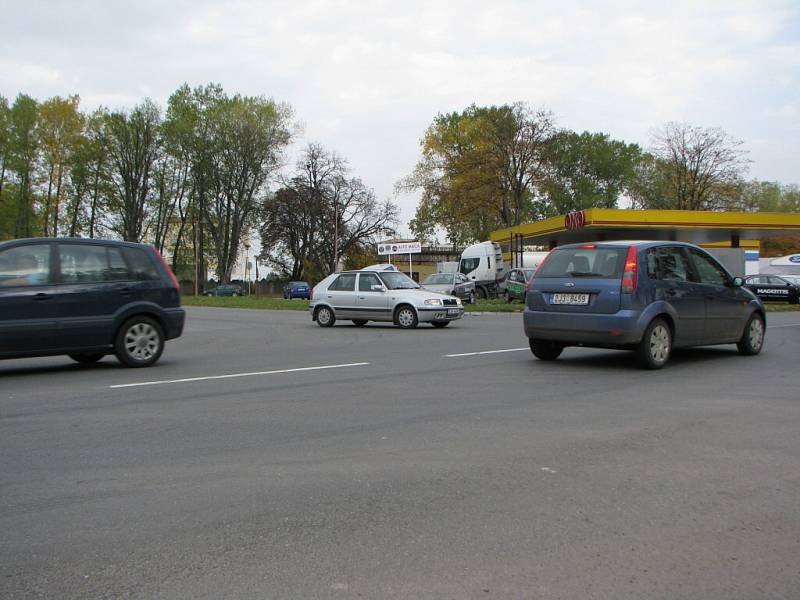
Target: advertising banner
x=399, y=248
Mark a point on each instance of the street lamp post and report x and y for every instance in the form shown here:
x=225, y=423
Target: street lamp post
x=247, y=265
x=335, y=235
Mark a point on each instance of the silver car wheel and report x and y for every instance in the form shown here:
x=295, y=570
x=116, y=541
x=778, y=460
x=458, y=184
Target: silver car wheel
x=659, y=344
x=756, y=333
x=142, y=341
x=406, y=317
x=324, y=316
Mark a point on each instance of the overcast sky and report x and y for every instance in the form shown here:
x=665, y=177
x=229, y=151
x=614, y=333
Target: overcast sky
x=366, y=78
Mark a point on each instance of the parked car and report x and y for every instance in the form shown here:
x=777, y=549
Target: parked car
x=516, y=284
x=773, y=287
x=649, y=297
x=366, y=295
x=85, y=299
x=224, y=290
x=793, y=279
x=297, y=289
x=452, y=284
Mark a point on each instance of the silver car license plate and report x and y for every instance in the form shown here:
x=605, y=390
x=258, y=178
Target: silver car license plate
x=570, y=299
x=452, y=311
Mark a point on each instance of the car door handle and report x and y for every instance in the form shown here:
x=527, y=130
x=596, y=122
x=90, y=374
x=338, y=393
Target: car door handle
x=126, y=291
x=41, y=296
x=672, y=292
x=361, y=297
x=329, y=296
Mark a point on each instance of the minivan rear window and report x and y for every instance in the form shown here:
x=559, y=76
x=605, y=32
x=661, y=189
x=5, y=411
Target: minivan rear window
x=142, y=268
x=597, y=263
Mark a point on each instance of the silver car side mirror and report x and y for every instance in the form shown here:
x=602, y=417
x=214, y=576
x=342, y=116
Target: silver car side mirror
x=378, y=288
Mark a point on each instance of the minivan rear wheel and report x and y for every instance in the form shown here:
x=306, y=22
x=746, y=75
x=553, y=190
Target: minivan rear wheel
x=656, y=346
x=139, y=342
x=753, y=337
x=545, y=350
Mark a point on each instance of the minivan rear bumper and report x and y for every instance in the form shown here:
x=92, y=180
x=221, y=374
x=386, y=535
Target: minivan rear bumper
x=174, y=318
x=622, y=328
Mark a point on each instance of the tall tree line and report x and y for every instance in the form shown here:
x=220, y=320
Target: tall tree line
x=487, y=168
x=191, y=180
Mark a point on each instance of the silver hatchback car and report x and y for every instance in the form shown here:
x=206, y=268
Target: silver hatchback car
x=368, y=295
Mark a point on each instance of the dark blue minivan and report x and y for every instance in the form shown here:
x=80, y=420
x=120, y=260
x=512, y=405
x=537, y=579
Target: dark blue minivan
x=87, y=298
x=649, y=297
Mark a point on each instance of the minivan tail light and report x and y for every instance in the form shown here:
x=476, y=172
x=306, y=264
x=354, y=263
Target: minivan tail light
x=172, y=277
x=629, y=275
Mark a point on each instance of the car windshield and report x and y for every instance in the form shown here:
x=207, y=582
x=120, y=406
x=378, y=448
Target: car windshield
x=598, y=263
x=298, y=283
x=398, y=281
x=439, y=279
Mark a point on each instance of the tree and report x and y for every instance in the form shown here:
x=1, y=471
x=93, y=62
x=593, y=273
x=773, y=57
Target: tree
x=588, y=170
x=90, y=179
x=6, y=214
x=60, y=126
x=23, y=153
x=131, y=142
x=480, y=170
x=249, y=135
x=5, y=141
x=320, y=215
x=700, y=168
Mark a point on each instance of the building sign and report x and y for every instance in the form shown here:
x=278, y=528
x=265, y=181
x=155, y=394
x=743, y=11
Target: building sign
x=575, y=220
x=400, y=248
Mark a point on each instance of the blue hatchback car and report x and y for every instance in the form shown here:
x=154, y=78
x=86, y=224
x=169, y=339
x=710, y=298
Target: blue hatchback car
x=649, y=297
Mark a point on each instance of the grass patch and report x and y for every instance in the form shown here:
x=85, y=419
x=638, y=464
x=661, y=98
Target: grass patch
x=278, y=303
x=257, y=302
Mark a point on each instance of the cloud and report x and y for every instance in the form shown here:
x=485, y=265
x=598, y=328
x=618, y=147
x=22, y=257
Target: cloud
x=368, y=78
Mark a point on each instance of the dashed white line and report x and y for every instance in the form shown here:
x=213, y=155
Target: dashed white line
x=232, y=375
x=485, y=352
x=779, y=326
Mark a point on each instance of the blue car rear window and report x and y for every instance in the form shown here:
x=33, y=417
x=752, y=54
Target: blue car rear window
x=597, y=263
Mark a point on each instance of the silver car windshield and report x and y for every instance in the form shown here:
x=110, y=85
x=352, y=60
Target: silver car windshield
x=398, y=281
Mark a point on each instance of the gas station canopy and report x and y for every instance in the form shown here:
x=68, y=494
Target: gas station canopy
x=601, y=224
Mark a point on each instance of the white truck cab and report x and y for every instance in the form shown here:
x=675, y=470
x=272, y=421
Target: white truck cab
x=483, y=263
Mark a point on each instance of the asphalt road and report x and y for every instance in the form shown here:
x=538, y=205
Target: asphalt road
x=400, y=471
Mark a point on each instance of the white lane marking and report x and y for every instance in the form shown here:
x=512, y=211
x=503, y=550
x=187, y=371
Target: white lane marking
x=232, y=375
x=779, y=326
x=548, y=470
x=485, y=352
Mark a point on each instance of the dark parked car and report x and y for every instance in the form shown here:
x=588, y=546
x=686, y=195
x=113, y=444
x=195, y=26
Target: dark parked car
x=86, y=299
x=297, y=289
x=649, y=297
x=224, y=290
x=773, y=287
